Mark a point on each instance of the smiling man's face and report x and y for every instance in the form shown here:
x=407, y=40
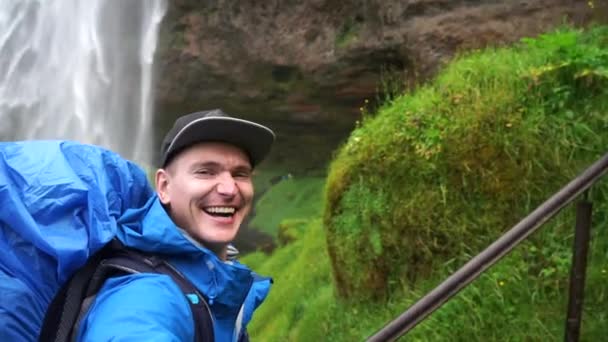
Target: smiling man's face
x=208, y=191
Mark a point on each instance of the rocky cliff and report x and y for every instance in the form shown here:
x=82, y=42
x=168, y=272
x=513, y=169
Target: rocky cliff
x=288, y=62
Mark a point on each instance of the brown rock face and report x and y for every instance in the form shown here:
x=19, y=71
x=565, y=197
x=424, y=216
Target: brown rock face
x=288, y=62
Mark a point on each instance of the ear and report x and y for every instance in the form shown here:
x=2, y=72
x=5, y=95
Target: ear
x=162, y=181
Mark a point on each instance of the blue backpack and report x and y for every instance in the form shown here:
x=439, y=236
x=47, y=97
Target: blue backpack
x=60, y=203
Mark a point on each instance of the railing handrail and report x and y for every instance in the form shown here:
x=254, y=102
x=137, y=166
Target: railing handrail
x=492, y=254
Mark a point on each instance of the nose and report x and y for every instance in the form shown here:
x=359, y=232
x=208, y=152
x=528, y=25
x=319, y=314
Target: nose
x=226, y=185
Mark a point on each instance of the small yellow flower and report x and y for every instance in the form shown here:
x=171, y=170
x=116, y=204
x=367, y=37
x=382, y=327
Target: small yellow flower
x=501, y=283
x=509, y=125
x=366, y=100
x=361, y=108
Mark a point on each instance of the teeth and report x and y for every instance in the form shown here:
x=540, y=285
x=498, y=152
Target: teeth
x=220, y=210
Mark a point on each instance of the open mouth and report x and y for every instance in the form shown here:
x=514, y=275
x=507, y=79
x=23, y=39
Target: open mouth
x=220, y=211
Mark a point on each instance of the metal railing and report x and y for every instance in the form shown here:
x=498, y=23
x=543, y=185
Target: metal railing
x=507, y=242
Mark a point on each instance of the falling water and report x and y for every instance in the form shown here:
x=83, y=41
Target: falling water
x=79, y=70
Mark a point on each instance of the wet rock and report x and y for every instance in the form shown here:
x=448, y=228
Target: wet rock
x=301, y=62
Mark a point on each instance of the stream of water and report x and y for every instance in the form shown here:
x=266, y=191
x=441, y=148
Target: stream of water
x=79, y=70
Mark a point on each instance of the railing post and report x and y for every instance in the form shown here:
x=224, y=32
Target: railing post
x=578, y=270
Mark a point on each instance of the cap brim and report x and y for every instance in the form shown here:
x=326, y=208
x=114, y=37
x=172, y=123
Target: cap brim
x=255, y=139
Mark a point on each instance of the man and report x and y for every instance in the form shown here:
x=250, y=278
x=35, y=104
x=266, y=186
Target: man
x=204, y=192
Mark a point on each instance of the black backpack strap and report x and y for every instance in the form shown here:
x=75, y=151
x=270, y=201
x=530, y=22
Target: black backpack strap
x=65, y=306
x=72, y=302
x=130, y=261
x=244, y=337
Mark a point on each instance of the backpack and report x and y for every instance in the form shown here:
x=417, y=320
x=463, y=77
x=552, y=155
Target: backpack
x=60, y=203
x=71, y=303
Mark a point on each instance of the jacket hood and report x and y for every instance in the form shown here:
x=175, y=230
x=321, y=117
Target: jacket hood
x=150, y=229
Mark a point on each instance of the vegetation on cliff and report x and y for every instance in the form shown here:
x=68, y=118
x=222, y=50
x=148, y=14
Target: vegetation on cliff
x=432, y=178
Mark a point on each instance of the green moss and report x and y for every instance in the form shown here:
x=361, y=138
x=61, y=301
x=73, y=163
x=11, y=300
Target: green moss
x=301, y=271
x=433, y=178
x=347, y=33
x=443, y=171
x=291, y=230
x=294, y=198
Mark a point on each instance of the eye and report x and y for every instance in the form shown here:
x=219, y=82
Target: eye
x=243, y=174
x=204, y=172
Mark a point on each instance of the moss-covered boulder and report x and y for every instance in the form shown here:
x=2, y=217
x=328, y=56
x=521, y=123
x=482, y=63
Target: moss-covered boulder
x=443, y=171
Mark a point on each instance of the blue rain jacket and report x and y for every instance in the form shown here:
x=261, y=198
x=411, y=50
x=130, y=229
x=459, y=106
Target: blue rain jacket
x=61, y=202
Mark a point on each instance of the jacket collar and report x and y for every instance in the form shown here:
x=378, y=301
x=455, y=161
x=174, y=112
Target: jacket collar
x=150, y=229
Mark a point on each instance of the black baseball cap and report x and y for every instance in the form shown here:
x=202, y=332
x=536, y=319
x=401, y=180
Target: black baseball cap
x=216, y=126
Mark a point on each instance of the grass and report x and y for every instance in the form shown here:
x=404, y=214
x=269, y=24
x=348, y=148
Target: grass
x=429, y=181
x=511, y=302
x=493, y=136
x=281, y=317
x=298, y=197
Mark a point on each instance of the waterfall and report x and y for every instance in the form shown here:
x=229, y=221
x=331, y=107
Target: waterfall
x=79, y=70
